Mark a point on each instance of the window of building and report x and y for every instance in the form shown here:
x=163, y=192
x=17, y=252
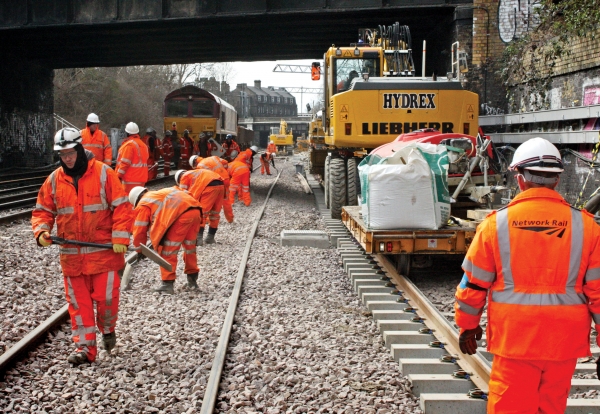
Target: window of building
x=259, y=98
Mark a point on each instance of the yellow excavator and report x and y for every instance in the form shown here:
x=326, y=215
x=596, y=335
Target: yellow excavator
x=282, y=137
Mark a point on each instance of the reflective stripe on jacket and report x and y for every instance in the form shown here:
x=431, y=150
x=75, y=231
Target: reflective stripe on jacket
x=540, y=260
x=132, y=162
x=98, y=143
x=237, y=167
x=246, y=157
x=214, y=164
x=159, y=210
x=229, y=149
x=195, y=181
x=97, y=213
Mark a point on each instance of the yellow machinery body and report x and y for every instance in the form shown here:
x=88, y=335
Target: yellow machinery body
x=282, y=137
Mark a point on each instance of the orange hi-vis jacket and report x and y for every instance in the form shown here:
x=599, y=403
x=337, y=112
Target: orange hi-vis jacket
x=98, y=213
x=214, y=164
x=98, y=144
x=540, y=260
x=196, y=181
x=229, y=149
x=187, y=148
x=159, y=210
x=132, y=162
x=246, y=157
x=271, y=148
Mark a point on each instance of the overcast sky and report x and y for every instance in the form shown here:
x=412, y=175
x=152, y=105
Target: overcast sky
x=248, y=72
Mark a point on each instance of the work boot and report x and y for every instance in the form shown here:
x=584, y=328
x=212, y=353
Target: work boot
x=78, y=358
x=109, y=341
x=166, y=286
x=210, y=237
x=192, y=280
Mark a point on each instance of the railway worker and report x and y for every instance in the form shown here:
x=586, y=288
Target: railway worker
x=207, y=187
x=218, y=165
x=539, y=258
x=271, y=148
x=247, y=156
x=132, y=161
x=167, y=152
x=203, y=145
x=265, y=160
x=232, y=149
x=153, y=145
x=187, y=146
x=85, y=198
x=240, y=182
x=174, y=218
x=95, y=140
x=176, y=144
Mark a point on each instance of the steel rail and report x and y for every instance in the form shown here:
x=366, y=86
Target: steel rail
x=478, y=367
x=212, y=386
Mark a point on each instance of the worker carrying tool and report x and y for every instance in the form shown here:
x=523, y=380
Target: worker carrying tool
x=132, y=161
x=247, y=156
x=232, y=149
x=538, y=262
x=174, y=218
x=153, y=145
x=96, y=141
x=266, y=158
x=86, y=200
x=240, y=182
x=167, y=152
x=207, y=187
x=218, y=165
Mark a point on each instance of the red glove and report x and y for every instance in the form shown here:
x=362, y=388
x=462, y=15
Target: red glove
x=467, y=340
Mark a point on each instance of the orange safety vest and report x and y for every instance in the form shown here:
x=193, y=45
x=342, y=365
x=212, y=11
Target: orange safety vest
x=196, y=181
x=214, y=164
x=132, y=161
x=167, y=149
x=246, y=157
x=237, y=167
x=159, y=210
x=271, y=148
x=98, y=144
x=540, y=260
x=229, y=149
x=97, y=213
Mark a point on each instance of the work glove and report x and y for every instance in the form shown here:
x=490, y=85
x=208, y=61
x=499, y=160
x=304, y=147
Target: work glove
x=119, y=248
x=467, y=340
x=44, y=239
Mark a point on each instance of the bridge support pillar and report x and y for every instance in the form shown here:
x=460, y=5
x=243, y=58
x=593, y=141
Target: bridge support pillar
x=26, y=107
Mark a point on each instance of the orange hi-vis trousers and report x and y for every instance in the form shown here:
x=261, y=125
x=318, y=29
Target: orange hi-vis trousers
x=227, y=205
x=81, y=293
x=264, y=165
x=183, y=232
x=529, y=386
x=211, y=203
x=240, y=185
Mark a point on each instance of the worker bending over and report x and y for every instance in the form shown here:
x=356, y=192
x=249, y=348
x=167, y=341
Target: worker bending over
x=218, y=165
x=174, y=219
x=247, y=156
x=85, y=198
x=232, y=149
x=96, y=141
x=240, y=182
x=265, y=160
x=537, y=261
x=206, y=187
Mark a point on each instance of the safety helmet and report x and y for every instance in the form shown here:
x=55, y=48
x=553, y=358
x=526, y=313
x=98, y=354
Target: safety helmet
x=168, y=133
x=178, y=175
x=228, y=137
x=136, y=194
x=66, y=138
x=271, y=142
x=150, y=130
x=193, y=160
x=93, y=118
x=132, y=128
x=537, y=154
x=254, y=149
x=202, y=135
x=186, y=132
x=174, y=125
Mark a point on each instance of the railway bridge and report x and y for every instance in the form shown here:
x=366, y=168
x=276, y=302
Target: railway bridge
x=38, y=36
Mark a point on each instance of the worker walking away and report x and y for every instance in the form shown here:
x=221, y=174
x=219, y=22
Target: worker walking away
x=95, y=140
x=539, y=258
x=174, y=218
x=132, y=161
x=271, y=148
x=187, y=147
x=265, y=160
x=240, y=182
x=232, y=149
x=85, y=199
x=153, y=145
x=247, y=156
x=167, y=152
x=207, y=187
x=219, y=166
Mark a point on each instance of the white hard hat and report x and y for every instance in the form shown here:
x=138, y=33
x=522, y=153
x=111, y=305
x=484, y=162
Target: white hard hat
x=132, y=128
x=66, y=138
x=178, y=175
x=254, y=148
x=93, y=118
x=271, y=142
x=537, y=154
x=136, y=194
x=193, y=159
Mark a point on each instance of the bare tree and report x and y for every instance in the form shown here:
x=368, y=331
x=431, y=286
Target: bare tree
x=222, y=72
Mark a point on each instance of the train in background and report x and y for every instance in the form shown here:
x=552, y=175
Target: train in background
x=200, y=111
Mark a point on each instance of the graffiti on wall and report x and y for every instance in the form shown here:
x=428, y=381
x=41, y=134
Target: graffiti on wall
x=24, y=139
x=515, y=18
x=591, y=95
